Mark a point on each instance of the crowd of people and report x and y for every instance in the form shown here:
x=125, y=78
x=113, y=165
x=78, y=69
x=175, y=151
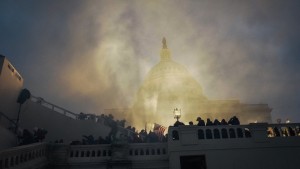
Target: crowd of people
x=129, y=133
x=27, y=137
x=132, y=136
x=103, y=118
x=232, y=121
x=144, y=137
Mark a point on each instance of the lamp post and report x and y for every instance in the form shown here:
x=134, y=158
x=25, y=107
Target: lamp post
x=177, y=113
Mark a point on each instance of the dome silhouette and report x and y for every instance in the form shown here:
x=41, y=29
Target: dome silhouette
x=168, y=85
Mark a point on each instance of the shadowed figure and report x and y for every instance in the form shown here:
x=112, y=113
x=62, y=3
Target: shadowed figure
x=234, y=121
x=209, y=122
x=223, y=122
x=178, y=123
x=217, y=122
x=200, y=122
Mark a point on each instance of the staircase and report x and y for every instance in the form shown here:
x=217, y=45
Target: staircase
x=53, y=107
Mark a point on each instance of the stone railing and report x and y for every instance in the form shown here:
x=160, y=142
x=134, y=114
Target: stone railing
x=137, y=155
x=256, y=130
x=104, y=152
x=144, y=150
x=211, y=132
x=34, y=155
x=89, y=153
x=53, y=107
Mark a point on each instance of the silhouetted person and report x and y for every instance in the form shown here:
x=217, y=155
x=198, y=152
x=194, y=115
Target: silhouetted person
x=143, y=135
x=200, y=122
x=224, y=122
x=81, y=116
x=291, y=131
x=276, y=131
x=136, y=138
x=133, y=129
x=152, y=137
x=234, y=121
x=122, y=123
x=89, y=139
x=101, y=140
x=209, y=122
x=27, y=137
x=178, y=123
x=114, y=129
x=217, y=122
x=191, y=123
x=39, y=134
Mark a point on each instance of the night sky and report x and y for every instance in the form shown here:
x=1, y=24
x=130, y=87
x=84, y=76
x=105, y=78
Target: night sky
x=87, y=56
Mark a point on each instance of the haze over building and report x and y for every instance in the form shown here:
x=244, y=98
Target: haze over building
x=169, y=85
x=247, y=50
x=211, y=146
x=91, y=65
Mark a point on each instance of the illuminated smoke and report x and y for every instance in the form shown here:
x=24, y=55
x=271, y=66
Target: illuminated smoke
x=95, y=54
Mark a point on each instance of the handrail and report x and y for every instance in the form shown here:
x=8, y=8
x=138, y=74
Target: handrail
x=53, y=107
x=7, y=118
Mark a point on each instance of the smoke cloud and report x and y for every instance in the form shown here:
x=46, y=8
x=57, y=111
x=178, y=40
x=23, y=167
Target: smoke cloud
x=92, y=55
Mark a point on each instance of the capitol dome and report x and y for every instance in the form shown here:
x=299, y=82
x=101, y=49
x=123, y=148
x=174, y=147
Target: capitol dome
x=168, y=85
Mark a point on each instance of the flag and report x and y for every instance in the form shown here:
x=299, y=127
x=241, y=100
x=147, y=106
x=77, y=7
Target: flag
x=159, y=130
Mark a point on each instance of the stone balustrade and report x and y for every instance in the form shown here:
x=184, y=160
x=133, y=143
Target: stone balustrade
x=24, y=156
x=104, y=152
x=89, y=153
x=136, y=155
x=210, y=132
x=144, y=150
x=263, y=130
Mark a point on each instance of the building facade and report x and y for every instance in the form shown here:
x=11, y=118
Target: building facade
x=11, y=84
x=169, y=85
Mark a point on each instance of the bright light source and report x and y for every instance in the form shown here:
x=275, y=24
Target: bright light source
x=177, y=113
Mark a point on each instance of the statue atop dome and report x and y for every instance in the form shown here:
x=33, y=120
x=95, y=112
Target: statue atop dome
x=165, y=53
x=164, y=41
